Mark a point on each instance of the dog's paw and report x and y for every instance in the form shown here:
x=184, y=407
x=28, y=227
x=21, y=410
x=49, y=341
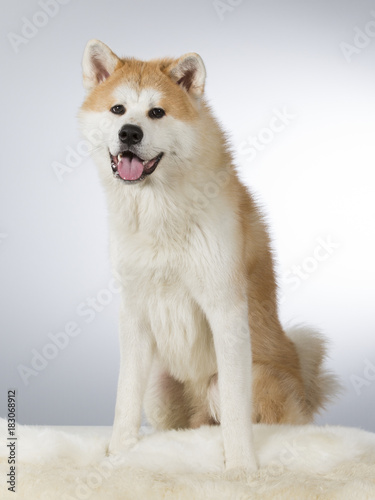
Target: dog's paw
x=239, y=473
x=237, y=470
x=236, y=474
x=118, y=446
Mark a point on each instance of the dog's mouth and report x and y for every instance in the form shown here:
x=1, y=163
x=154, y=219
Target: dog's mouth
x=131, y=168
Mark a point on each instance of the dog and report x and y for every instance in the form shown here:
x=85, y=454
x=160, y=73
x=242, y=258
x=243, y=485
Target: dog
x=200, y=338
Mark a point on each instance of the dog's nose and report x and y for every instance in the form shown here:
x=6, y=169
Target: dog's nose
x=130, y=134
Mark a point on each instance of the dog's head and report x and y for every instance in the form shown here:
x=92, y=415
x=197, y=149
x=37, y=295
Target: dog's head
x=140, y=116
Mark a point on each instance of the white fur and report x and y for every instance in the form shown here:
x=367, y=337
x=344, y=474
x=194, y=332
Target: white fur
x=297, y=462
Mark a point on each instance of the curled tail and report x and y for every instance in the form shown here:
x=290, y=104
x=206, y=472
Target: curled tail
x=321, y=385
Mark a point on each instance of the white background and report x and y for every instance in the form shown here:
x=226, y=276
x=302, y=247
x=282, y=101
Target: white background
x=314, y=179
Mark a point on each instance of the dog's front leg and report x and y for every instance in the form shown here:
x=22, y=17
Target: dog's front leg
x=230, y=328
x=136, y=354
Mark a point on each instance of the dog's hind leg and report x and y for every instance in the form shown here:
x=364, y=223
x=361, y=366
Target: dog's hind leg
x=166, y=403
x=205, y=404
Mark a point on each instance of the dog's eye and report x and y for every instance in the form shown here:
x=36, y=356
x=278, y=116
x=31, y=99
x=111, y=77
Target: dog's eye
x=156, y=113
x=118, y=109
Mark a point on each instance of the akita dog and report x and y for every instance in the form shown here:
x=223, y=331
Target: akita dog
x=200, y=338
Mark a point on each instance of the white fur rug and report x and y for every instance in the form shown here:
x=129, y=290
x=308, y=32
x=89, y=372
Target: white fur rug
x=306, y=462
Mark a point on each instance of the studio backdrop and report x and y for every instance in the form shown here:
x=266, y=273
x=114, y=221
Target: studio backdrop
x=291, y=82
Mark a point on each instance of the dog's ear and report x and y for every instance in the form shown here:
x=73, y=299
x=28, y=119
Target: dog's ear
x=98, y=63
x=190, y=73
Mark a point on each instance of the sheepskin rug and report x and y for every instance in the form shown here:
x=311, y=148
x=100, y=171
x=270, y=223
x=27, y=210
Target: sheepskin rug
x=296, y=462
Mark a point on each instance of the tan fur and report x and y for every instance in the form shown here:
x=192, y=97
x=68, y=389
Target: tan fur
x=142, y=75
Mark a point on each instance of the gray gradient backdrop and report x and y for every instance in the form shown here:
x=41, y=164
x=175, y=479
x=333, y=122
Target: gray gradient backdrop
x=314, y=177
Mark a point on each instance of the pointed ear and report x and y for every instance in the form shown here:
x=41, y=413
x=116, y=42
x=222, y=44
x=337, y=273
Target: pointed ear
x=190, y=73
x=98, y=63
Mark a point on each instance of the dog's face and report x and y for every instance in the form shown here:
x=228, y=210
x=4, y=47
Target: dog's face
x=139, y=116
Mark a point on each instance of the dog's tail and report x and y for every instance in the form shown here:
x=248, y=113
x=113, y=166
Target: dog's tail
x=321, y=385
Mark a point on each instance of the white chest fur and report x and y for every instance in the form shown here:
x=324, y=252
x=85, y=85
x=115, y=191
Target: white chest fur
x=163, y=254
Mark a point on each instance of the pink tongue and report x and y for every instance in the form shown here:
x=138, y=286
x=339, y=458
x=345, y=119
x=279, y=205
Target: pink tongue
x=130, y=170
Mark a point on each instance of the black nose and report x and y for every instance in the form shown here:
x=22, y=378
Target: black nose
x=130, y=134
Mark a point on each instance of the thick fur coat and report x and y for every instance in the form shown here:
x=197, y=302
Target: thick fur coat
x=201, y=341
